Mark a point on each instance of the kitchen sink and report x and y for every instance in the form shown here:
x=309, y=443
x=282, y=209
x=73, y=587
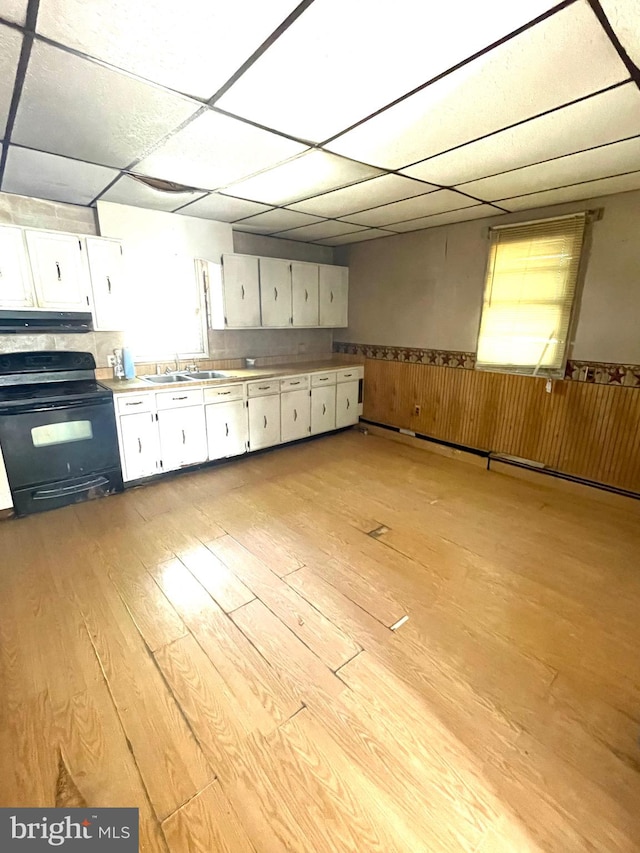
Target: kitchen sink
x=207, y=374
x=167, y=379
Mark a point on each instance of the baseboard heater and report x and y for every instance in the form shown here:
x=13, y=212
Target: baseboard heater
x=423, y=437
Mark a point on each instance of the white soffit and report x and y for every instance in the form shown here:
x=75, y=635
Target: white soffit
x=371, y=193
x=35, y=173
x=423, y=205
x=223, y=208
x=214, y=150
x=624, y=17
x=127, y=190
x=10, y=46
x=367, y=56
x=481, y=211
x=279, y=220
x=79, y=108
x=321, y=231
x=538, y=70
x=312, y=173
x=14, y=10
x=591, y=189
x=595, y=121
x=193, y=46
x=589, y=165
x=358, y=237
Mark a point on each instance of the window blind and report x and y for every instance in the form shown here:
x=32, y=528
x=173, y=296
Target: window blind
x=528, y=296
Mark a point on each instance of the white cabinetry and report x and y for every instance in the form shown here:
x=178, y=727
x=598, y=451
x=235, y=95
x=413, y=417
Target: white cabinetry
x=138, y=445
x=323, y=407
x=16, y=289
x=240, y=291
x=304, y=289
x=226, y=415
x=295, y=408
x=275, y=292
x=182, y=428
x=347, y=403
x=264, y=414
x=107, y=284
x=333, y=296
x=59, y=271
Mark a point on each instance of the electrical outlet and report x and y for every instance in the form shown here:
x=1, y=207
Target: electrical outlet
x=416, y=409
x=111, y=360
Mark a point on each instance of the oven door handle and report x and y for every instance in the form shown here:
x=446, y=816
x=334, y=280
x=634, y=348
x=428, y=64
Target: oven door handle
x=61, y=491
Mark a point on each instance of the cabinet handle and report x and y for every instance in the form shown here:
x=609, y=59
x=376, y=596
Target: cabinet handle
x=184, y=437
x=306, y=295
x=109, y=284
x=331, y=300
x=347, y=375
x=137, y=403
x=265, y=421
x=263, y=387
x=275, y=294
x=58, y=270
x=294, y=383
x=242, y=290
x=223, y=393
x=226, y=429
x=324, y=409
x=139, y=445
x=348, y=403
x=185, y=397
x=323, y=379
x=295, y=414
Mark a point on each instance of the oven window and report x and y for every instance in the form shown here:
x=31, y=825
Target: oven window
x=61, y=433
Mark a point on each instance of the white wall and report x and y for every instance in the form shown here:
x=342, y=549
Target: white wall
x=424, y=289
x=274, y=247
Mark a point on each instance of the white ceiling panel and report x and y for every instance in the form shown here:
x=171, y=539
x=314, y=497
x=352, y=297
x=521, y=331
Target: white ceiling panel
x=542, y=68
x=595, y=121
x=310, y=174
x=14, y=10
x=321, y=230
x=411, y=208
x=128, y=190
x=252, y=229
x=358, y=237
x=624, y=17
x=223, y=208
x=35, y=173
x=367, y=56
x=193, y=47
x=371, y=193
x=591, y=189
x=480, y=211
x=81, y=109
x=279, y=220
x=10, y=46
x=589, y=165
x=214, y=150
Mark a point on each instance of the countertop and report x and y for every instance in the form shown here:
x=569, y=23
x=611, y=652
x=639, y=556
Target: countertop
x=119, y=386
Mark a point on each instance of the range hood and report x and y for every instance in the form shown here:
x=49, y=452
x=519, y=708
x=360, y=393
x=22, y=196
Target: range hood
x=36, y=322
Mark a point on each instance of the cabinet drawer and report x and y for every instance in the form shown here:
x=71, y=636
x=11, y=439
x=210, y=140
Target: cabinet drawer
x=182, y=397
x=350, y=374
x=223, y=394
x=261, y=389
x=295, y=383
x=131, y=403
x=318, y=380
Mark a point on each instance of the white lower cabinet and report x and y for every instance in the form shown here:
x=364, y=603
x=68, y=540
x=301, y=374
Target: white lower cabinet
x=183, y=437
x=264, y=421
x=323, y=409
x=227, y=430
x=295, y=415
x=347, y=405
x=139, y=445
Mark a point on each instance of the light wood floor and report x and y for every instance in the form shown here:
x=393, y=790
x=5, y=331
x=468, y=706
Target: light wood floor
x=216, y=650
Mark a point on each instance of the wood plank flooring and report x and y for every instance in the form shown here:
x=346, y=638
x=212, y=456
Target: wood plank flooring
x=216, y=649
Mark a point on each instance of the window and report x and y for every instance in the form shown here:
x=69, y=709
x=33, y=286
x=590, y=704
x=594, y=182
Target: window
x=528, y=295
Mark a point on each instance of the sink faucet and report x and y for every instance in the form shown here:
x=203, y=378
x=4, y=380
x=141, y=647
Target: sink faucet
x=167, y=370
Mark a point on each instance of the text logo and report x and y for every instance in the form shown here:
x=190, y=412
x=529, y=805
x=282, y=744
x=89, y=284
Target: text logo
x=74, y=830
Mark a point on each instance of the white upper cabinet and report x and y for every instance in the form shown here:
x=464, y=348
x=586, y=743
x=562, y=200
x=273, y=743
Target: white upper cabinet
x=59, y=272
x=334, y=296
x=16, y=288
x=241, y=291
x=107, y=284
x=275, y=292
x=304, y=288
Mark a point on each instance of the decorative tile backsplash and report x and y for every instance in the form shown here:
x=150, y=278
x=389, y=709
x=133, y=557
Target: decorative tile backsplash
x=600, y=373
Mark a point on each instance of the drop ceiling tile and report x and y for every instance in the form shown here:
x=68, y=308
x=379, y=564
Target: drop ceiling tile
x=252, y=229
x=624, y=15
x=589, y=165
x=321, y=230
x=594, y=121
x=366, y=194
x=41, y=175
x=223, y=208
x=194, y=47
x=279, y=220
x=10, y=47
x=368, y=58
x=214, y=150
x=308, y=175
x=421, y=205
x=590, y=189
x=358, y=237
x=14, y=10
x=127, y=190
x=81, y=109
x=542, y=68
x=481, y=211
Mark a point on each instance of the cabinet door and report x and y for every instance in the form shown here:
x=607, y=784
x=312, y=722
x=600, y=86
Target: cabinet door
x=139, y=445
x=227, y=431
x=334, y=293
x=323, y=409
x=264, y=421
x=241, y=284
x=295, y=415
x=275, y=292
x=59, y=273
x=304, y=288
x=346, y=403
x=183, y=437
x=107, y=284
x=16, y=290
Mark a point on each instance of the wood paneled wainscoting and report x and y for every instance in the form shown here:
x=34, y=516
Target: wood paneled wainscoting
x=591, y=431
